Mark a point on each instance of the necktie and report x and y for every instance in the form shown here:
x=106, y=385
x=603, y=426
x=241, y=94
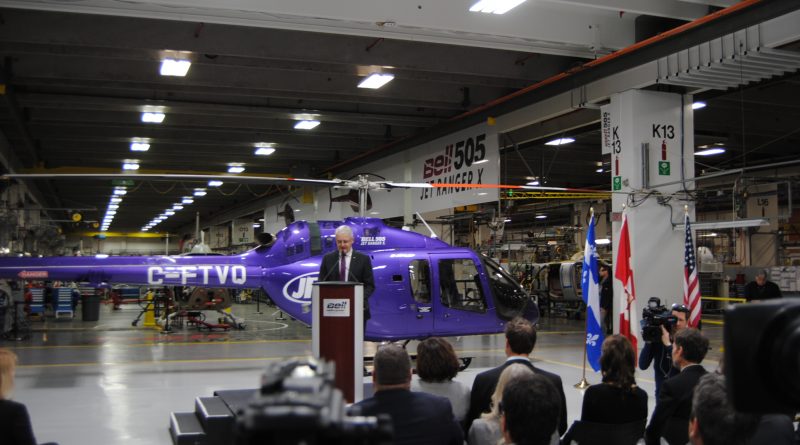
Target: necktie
x=343, y=267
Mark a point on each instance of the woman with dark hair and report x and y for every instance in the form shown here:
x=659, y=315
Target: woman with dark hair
x=437, y=365
x=617, y=399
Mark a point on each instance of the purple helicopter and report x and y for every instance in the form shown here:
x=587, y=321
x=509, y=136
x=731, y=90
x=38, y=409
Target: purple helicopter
x=423, y=286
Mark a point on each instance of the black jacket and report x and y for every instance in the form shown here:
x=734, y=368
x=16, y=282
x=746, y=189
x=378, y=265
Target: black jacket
x=360, y=272
x=417, y=417
x=674, y=407
x=15, y=425
x=485, y=382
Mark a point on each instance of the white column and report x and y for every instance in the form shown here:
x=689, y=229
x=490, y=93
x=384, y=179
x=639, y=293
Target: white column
x=664, y=122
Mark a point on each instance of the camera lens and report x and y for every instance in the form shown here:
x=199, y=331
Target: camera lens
x=784, y=359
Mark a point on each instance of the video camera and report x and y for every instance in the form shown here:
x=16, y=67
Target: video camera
x=654, y=316
x=298, y=403
x=762, y=362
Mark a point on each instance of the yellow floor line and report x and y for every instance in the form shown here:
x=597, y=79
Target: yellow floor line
x=165, y=343
x=154, y=362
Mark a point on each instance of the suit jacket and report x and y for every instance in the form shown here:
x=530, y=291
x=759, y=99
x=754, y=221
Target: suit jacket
x=674, y=407
x=485, y=382
x=417, y=417
x=15, y=424
x=360, y=272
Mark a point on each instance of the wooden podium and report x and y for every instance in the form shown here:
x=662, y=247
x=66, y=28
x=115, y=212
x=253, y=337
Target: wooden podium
x=337, y=332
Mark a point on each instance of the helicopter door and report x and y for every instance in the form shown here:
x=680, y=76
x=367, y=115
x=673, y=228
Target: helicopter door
x=419, y=278
x=460, y=303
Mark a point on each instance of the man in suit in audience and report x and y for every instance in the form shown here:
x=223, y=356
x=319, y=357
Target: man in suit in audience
x=714, y=420
x=345, y=264
x=417, y=417
x=529, y=410
x=674, y=405
x=520, y=340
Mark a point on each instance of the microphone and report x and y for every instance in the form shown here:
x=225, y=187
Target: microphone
x=338, y=260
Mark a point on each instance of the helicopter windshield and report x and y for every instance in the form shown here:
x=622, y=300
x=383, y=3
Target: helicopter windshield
x=510, y=299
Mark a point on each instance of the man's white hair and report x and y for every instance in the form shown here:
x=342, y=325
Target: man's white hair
x=344, y=230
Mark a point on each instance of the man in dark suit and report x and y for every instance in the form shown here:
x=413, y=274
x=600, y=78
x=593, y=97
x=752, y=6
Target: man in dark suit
x=520, y=340
x=417, y=417
x=345, y=264
x=674, y=406
x=714, y=419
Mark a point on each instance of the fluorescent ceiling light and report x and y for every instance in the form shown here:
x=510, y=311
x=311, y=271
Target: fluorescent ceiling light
x=698, y=105
x=120, y=192
x=172, y=67
x=169, y=212
x=256, y=225
x=507, y=220
x=376, y=80
x=306, y=125
x=710, y=152
x=533, y=183
x=264, y=151
x=599, y=170
x=481, y=161
x=140, y=146
x=177, y=207
x=560, y=141
x=495, y=6
x=735, y=224
x=215, y=183
x=130, y=166
x=602, y=241
x=111, y=212
x=235, y=169
x=153, y=118
x=114, y=199
x=199, y=192
x=113, y=206
x=187, y=200
x=541, y=216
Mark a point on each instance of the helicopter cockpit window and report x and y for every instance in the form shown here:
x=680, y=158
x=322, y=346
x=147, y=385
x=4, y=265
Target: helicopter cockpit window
x=510, y=299
x=460, y=285
x=419, y=275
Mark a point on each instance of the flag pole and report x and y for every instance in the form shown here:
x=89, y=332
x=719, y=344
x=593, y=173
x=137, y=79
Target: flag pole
x=583, y=384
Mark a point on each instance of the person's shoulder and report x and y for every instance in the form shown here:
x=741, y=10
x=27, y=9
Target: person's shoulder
x=550, y=375
x=11, y=406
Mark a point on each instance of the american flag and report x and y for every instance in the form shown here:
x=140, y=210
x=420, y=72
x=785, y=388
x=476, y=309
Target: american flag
x=691, y=285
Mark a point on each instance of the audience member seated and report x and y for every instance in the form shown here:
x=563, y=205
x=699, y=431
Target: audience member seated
x=486, y=429
x=15, y=425
x=714, y=420
x=437, y=365
x=674, y=406
x=520, y=341
x=417, y=417
x=616, y=406
x=529, y=411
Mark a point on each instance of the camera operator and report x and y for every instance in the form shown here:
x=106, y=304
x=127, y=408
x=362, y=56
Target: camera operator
x=660, y=353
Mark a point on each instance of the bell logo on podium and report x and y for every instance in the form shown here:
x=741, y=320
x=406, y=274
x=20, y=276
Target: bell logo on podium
x=339, y=307
x=337, y=332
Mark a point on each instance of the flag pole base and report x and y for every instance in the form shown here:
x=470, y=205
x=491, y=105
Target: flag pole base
x=583, y=384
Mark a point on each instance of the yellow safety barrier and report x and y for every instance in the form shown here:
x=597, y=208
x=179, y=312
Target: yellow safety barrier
x=735, y=300
x=150, y=311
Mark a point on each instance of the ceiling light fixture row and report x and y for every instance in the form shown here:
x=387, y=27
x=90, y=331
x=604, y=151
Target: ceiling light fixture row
x=186, y=200
x=113, y=206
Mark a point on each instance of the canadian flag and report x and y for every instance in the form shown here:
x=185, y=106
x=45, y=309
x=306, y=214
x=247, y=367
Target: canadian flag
x=624, y=273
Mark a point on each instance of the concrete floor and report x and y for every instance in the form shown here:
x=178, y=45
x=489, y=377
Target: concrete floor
x=108, y=382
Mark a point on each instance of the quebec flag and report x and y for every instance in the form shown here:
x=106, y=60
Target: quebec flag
x=590, y=284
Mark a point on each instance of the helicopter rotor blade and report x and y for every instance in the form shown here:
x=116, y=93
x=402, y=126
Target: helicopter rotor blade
x=179, y=177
